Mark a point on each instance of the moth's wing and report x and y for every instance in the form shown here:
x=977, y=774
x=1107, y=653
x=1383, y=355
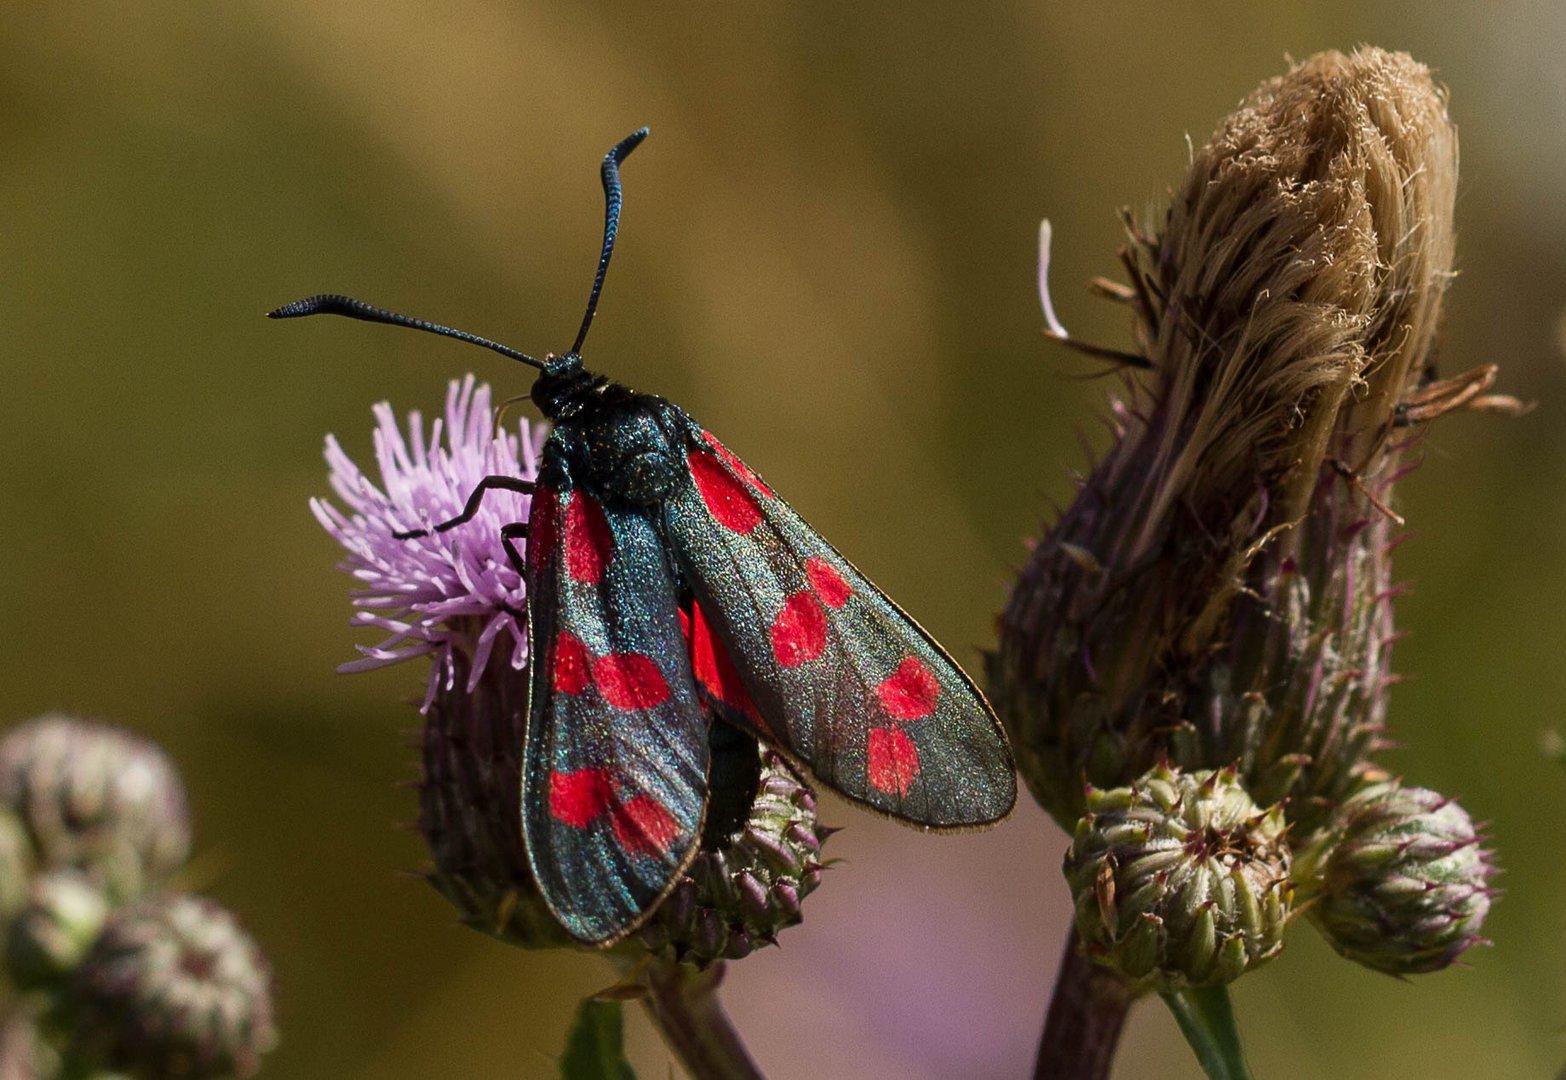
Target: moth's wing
x=614, y=776
x=789, y=639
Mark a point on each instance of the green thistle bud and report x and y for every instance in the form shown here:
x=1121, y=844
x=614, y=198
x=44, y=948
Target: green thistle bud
x=1219, y=591
x=53, y=931
x=759, y=859
x=98, y=799
x=1400, y=881
x=1180, y=879
x=173, y=987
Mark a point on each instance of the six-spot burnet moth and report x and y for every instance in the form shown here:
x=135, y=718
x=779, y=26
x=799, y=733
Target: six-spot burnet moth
x=668, y=588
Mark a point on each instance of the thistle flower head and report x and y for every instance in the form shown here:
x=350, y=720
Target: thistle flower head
x=96, y=799
x=455, y=597
x=1219, y=591
x=173, y=987
x=447, y=592
x=1180, y=879
x=1401, y=881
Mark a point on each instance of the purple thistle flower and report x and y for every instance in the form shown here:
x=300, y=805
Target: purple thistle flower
x=449, y=591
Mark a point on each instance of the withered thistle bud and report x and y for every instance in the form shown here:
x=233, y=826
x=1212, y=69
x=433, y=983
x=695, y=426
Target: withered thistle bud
x=1180, y=879
x=97, y=799
x=1219, y=591
x=173, y=987
x=1399, y=880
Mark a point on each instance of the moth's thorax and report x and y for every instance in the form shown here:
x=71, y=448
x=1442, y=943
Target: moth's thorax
x=622, y=444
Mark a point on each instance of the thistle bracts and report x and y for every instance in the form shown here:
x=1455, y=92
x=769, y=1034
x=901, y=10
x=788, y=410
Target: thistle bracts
x=1399, y=880
x=1179, y=879
x=750, y=876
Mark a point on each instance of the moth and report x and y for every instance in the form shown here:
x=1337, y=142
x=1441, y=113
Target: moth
x=669, y=588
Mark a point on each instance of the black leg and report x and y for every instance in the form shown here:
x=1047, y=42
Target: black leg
x=475, y=499
x=508, y=537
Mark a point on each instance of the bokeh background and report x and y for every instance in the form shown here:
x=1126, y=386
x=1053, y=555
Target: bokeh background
x=827, y=257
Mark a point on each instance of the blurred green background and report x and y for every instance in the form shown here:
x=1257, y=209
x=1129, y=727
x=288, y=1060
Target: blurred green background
x=828, y=258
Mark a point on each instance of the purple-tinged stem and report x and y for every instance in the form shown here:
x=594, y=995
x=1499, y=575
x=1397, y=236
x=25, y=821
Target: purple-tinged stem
x=1086, y=1012
x=683, y=1004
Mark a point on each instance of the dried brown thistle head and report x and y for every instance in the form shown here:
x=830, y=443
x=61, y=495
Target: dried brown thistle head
x=1219, y=590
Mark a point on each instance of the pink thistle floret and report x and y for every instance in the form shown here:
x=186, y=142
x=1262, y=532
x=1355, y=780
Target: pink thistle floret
x=446, y=591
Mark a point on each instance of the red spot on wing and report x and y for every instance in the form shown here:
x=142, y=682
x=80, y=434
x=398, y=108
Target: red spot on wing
x=736, y=464
x=643, y=826
x=576, y=798
x=569, y=664
x=827, y=582
x=715, y=671
x=726, y=498
x=588, y=541
x=541, y=526
x=910, y=692
x=799, y=631
x=630, y=681
x=892, y=761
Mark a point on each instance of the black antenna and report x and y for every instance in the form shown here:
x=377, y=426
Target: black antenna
x=611, y=175
x=333, y=304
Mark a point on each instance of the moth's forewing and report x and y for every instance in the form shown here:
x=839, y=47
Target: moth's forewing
x=615, y=758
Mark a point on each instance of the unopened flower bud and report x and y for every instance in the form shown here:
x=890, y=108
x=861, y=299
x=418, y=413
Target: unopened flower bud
x=173, y=987
x=97, y=799
x=759, y=858
x=1179, y=879
x=1401, y=882
x=62, y=918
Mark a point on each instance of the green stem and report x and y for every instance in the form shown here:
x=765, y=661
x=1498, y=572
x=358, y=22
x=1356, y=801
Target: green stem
x=684, y=1004
x=1206, y=1019
x=1086, y=1012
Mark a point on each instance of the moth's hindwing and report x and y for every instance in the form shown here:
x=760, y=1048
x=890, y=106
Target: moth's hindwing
x=615, y=760
x=792, y=641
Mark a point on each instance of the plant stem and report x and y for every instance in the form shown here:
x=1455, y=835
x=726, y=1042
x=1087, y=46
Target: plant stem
x=1206, y=1020
x=1086, y=1012
x=684, y=1004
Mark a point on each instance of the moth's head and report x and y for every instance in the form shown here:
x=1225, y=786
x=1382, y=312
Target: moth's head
x=561, y=365
x=561, y=379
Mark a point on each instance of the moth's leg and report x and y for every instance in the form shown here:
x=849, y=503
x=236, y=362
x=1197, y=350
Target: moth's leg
x=509, y=534
x=475, y=499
